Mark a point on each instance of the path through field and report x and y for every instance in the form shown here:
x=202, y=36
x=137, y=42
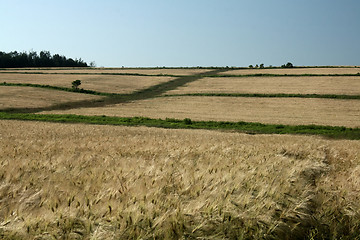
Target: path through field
x=150, y=92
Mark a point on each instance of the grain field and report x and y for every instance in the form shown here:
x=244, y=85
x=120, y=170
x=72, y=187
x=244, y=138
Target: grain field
x=75, y=181
x=100, y=83
x=291, y=85
x=293, y=111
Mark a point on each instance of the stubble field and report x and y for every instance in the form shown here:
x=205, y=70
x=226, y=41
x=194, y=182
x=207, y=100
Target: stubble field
x=82, y=181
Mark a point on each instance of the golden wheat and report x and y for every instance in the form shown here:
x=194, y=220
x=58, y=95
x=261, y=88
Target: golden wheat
x=108, y=83
x=29, y=97
x=103, y=182
x=292, y=111
x=150, y=71
x=295, y=85
x=341, y=70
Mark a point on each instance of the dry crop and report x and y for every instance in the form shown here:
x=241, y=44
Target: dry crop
x=64, y=181
x=295, y=85
x=342, y=70
x=293, y=111
x=100, y=83
x=149, y=71
x=29, y=97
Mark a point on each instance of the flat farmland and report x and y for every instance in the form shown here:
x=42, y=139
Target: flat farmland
x=87, y=177
x=101, y=83
x=146, y=71
x=77, y=181
x=294, y=85
x=299, y=71
x=293, y=111
x=28, y=97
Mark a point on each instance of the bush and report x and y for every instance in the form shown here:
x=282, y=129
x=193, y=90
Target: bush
x=76, y=84
x=187, y=121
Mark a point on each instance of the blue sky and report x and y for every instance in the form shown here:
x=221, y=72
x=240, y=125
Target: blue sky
x=146, y=33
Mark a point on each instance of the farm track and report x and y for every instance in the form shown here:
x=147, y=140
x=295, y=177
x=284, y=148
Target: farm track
x=151, y=92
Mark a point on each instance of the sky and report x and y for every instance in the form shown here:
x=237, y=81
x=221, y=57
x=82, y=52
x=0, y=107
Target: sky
x=186, y=33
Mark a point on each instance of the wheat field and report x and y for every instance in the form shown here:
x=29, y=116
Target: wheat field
x=149, y=71
x=82, y=181
x=29, y=97
x=295, y=85
x=292, y=111
x=283, y=71
x=100, y=83
x=74, y=181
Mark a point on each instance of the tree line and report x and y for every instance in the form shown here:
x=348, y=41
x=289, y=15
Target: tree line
x=33, y=59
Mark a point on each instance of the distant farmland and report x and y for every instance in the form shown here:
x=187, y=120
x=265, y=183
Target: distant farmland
x=111, y=171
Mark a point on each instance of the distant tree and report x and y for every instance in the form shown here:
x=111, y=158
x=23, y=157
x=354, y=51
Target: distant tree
x=251, y=66
x=93, y=64
x=32, y=59
x=288, y=65
x=76, y=84
x=262, y=65
x=256, y=66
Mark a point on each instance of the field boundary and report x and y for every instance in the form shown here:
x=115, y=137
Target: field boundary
x=265, y=95
x=252, y=95
x=204, y=75
x=335, y=132
x=111, y=99
x=88, y=73
x=75, y=90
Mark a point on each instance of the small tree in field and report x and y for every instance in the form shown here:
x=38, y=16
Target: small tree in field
x=76, y=84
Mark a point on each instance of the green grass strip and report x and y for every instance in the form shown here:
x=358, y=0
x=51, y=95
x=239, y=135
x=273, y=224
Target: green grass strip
x=247, y=127
x=267, y=95
x=78, y=90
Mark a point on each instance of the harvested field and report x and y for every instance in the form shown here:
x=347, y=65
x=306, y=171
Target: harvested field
x=149, y=71
x=350, y=70
x=293, y=111
x=28, y=97
x=77, y=181
x=108, y=83
x=296, y=85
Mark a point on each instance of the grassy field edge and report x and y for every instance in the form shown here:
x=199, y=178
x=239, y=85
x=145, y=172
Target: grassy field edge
x=246, y=127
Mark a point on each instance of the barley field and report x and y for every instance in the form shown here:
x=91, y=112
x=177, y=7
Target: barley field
x=20, y=97
x=293, y=111
x=295, y=85
x=75, y=181
x=149, y=71
x=86, y=181
x=300, y=71
x=100, y=83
